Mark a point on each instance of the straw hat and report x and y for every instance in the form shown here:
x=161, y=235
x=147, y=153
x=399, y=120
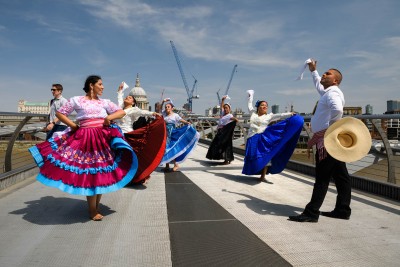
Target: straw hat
x=348, y=139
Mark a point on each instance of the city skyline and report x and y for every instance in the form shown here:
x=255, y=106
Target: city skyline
x=44, y=42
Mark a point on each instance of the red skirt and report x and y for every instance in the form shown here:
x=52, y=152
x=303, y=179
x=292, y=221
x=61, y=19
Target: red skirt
x=148, y=142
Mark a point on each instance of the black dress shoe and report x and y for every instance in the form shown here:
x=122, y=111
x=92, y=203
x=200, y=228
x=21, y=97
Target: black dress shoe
x=335, y=214
x=303, y=218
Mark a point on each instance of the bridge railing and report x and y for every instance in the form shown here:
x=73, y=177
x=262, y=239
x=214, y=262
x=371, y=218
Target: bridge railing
x=378, y=172
x=379, y=169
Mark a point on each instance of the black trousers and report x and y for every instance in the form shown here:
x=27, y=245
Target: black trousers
x=56, y=128
x=325, y=170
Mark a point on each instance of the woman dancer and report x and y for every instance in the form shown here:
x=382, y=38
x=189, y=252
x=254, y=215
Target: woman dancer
x=180, y=141
x=148, y=141
x=268, y=148
x=221, y=145
x=90, y=157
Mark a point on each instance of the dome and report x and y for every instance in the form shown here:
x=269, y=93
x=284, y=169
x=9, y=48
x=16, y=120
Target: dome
x=137, y=91
x=140, y=95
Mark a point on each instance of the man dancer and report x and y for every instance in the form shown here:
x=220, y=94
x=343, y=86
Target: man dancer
x=329, y=109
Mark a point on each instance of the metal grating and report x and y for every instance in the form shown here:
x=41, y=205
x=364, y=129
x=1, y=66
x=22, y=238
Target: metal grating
x=202, y=233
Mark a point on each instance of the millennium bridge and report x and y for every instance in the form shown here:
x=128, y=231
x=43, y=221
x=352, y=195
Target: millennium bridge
x=206, y=214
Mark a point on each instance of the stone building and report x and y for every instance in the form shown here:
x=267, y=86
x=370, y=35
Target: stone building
x=33, y=107
x=140, y=95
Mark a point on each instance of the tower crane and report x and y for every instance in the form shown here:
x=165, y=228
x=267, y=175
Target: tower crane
x=229, y=84
x=189, y=92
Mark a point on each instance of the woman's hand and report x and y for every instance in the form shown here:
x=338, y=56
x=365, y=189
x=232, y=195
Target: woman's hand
x=120, y=87
x=74, y=127
x=107, y=121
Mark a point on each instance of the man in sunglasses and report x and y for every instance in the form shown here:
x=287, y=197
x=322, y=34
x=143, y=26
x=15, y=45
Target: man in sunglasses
x=56, y=103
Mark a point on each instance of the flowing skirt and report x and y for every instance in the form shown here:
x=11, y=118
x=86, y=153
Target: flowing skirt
x=275, y=144
x=90, y=161
x=221, y=145
x=148, y=142
x=181, y=141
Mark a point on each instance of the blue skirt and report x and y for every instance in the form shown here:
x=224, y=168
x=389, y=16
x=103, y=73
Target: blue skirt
x=276, y=145
x=180, y=142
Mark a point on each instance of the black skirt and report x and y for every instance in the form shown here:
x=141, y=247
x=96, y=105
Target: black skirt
x=221, y=145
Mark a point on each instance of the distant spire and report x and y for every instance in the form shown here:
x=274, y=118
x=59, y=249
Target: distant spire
x=137, y=81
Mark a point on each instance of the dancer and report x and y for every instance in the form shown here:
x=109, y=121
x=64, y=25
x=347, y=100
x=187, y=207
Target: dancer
x=268, y=148
x=90, y=157
x=180, y=141
x=221, y=145
x=148, y=141
x=329, y=110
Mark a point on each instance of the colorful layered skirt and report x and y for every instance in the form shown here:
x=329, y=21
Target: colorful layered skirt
x=180, y=142
x=276, y=145
x=93, y=160
x=221, y=146
x=148, y=142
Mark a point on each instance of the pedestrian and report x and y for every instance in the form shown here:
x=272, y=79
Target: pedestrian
x=269, y=147
x=221, y=146
x=55, y=125
x=91, y=157
x=329, y=110
x=147, y=141
x=180, y=140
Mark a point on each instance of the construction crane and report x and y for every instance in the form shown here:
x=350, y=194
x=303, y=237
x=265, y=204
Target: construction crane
x=229, y=84
x=188, y=105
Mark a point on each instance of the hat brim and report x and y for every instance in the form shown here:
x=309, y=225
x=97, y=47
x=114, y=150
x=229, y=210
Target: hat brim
x=354, y=129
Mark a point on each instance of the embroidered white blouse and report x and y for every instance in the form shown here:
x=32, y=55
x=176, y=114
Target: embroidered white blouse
x=132, y=115
x=258, y=124
x=172, y=118
x=88, y=109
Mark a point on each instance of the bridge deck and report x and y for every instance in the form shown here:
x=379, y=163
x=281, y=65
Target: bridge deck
x=206, y=214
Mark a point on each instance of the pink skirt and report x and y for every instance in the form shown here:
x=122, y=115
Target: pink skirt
x=93, y=160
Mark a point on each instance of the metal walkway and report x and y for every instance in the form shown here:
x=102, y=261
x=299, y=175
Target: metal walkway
x=42, y=226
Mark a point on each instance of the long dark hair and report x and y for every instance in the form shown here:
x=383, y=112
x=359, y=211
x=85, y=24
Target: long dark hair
x=92, y=79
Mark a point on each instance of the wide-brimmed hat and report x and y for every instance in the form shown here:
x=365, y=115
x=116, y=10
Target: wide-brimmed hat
x=348, y=140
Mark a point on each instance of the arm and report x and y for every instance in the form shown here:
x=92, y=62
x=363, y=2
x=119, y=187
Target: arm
x=63, y=118
x=222, y=105
x=120, y=96
x=113, y=116
x=312, y=66
x=184, y=122
x=250, y=102
x=336, y=106
x=279, y=116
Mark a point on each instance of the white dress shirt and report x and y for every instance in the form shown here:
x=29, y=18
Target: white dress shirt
x=330, y=105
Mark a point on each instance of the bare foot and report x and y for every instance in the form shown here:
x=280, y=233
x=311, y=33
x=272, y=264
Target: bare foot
x=97, y=217
x=262, y=179
x=176, y=167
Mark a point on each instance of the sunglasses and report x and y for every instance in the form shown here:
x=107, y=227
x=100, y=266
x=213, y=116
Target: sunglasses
x=53, y=90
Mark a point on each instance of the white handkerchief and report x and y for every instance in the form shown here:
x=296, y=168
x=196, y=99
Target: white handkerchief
x=303, y=69
x=227, y=98
x=250, y=92
x=124, y=86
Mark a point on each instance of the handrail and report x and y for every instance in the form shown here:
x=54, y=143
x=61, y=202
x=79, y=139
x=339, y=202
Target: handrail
x=13, y=125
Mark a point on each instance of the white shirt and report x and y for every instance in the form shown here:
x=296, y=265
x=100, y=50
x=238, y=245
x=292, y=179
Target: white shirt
x=224, y=120
x=330, y=105
x=258, y=124
x=172, y=118
x=132, y=115
x=55, y=106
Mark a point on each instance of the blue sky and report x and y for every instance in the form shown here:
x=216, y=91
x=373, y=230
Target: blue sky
x=44, y=42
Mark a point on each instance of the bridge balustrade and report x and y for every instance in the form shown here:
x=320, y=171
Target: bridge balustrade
x=378, y=172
